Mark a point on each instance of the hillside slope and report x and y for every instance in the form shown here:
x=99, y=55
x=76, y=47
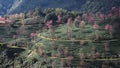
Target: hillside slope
x=81, y=5
x=41, y=3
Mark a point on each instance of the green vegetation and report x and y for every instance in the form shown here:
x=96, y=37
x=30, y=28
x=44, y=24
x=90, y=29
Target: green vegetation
x=59, y=38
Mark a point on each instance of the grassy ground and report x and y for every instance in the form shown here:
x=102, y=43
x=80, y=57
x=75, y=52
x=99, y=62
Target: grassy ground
x=74, y=47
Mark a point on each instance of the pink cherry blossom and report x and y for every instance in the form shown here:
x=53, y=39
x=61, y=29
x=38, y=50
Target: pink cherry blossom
x=82, y=23
x=59, y=19
x=49, y=24
x=78, y=18
x=91, y=19
x=34, y=35
x=115, y=11
x=101, y=16
x=2, y=20
x=31, y=35
x=108, y=27
x=69, y=21
x=96, y=26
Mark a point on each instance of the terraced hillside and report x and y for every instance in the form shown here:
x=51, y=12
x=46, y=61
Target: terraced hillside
x=61, y=39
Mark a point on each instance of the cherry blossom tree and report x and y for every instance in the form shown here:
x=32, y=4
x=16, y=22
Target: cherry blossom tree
x=34, y=35
x=82, y=25
x=68, y=57
x=91, y=18
x=50, y=26
x=109, y=28
x=59, y=19
x=96, y=27
x=69, y=27
x=102, y=17
x=115, y=11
